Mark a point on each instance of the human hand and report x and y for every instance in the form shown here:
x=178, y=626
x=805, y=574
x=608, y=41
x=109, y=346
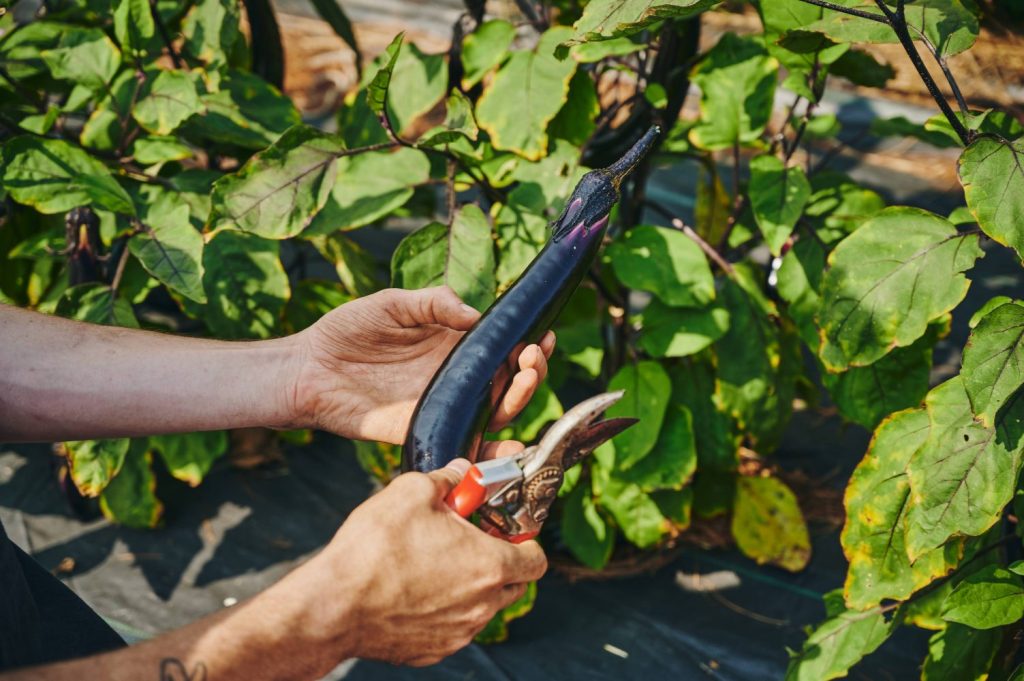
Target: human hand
x=367, y=362
x=408, y=580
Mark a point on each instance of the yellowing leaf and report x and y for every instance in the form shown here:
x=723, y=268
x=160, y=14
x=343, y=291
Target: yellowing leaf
x=768, y=525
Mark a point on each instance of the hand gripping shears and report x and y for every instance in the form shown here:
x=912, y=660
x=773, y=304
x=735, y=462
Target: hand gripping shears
x=513, y=494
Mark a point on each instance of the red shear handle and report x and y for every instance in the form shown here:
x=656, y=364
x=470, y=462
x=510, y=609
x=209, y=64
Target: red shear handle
x=468, y=495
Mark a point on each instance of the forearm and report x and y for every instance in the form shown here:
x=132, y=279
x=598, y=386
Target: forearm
x=272, y=636
x=66, y=380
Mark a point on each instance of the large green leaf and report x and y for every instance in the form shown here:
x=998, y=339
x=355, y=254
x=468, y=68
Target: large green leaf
x=949, y=25
x=111, y=118
x=94, y=463
x=778, y=195
x=461, y=257
x=167, y=101
x=459, y=123
x=992, y=173
x=585, y=531
x=881, y=292
x=838, y=643
x=838, y=205
x=278, y=191
x=634, y=511
x=737, y=83
x=768, y=525
x=715, y=433
x=671, y=463
x=245, y=284
x=648, y=389
x=211, y=31
x=485, y=48
x=525, y=95
x=993, y=362
x=54, y=176
x=665, y=262
x=991, y=597
x=171, y=249
x=130, y=498
x=98, y=304
x=419, y=81
x=876, y=507
x=84, y=56
x=965, y=474
x=959, y=653
x=246, y=111
x=607, y=19
x=377, y=88
x=135, y=28
x=368, y=187
x=867, y=394
x=799, y=279
x=576, y=121
x=189, y=456
x=681, y=331
x=356, y=267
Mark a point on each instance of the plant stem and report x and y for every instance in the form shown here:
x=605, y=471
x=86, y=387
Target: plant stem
x=708, y=249
x=898, y=21
x=164, y=35
x=944, y=67
x=870, y=16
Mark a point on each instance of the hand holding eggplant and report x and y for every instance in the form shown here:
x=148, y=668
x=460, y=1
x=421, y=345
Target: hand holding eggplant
x=364, y=365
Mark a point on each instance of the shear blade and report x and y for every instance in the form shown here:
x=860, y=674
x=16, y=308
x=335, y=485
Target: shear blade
x=585, y=440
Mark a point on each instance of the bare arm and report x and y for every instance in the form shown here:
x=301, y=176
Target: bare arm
x=405, y=580
x=357, y=372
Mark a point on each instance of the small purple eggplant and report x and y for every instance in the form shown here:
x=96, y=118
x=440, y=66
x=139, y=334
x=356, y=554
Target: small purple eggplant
x=454, y=411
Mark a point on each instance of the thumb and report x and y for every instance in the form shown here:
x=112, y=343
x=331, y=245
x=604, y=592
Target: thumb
x=445, y=479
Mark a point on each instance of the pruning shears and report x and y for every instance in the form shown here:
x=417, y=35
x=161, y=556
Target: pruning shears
x=513, y=494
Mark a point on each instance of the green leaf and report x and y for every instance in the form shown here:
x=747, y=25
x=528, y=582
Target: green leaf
x=84, y=56
x=671, y=463
x=964, y=476
x=838, y=206
x=246, y=286
x=98, y=304
x=331, y=12
x=949, y=25
x=168, y=100
x=715, y=433
x=634, y=512
x=576, y=121
x=665, y=262
x=799, y=280
x=485, y=48
x=862, y=68
x=579, y=331
x=675, y=505
x=135, y=28
x=778, y=195
x=959, y=653
x=591, y=52
x=992, y=173
x=901, y=127
x=989, y=305
x=839, y=643
x=377, y=89
x=459, y=123
x=153, y=150
x=496, y=630
x=369, y=186
x=648, y=388
x=130, y=498
x=211, y=31
x=278, y=191
x=54, y=176
x=245, y=112
x=881, y=293
x=876, y=507
x=418, y=82
x=356, y=267
x=312, y=299
x=21, y=50
x=525, y=95
x=378, y=459
x=607, y=19
x=461, y=257
x=111, y=116
x=679, y=331
x=993, y=361
x=865, y=395
x=991, y=597
x=171, y=249
x=94, y=463
x=589, y=537
x=737, y=83
x=189, y=456
x=768, y=525
x=40, y=124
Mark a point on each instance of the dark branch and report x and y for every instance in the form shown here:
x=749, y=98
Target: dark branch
x=870, y=16
x=164, y=35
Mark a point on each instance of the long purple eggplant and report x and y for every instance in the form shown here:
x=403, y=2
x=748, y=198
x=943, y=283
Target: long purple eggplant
x=453, y=412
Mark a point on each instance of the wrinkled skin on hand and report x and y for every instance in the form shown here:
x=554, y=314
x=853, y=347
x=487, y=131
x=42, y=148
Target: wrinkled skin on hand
x=366, y=363
x=426, y=580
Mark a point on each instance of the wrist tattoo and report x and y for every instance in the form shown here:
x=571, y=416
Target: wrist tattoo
x=173, y=669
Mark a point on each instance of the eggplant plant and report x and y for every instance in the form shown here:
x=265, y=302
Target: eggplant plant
x=153, y=174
